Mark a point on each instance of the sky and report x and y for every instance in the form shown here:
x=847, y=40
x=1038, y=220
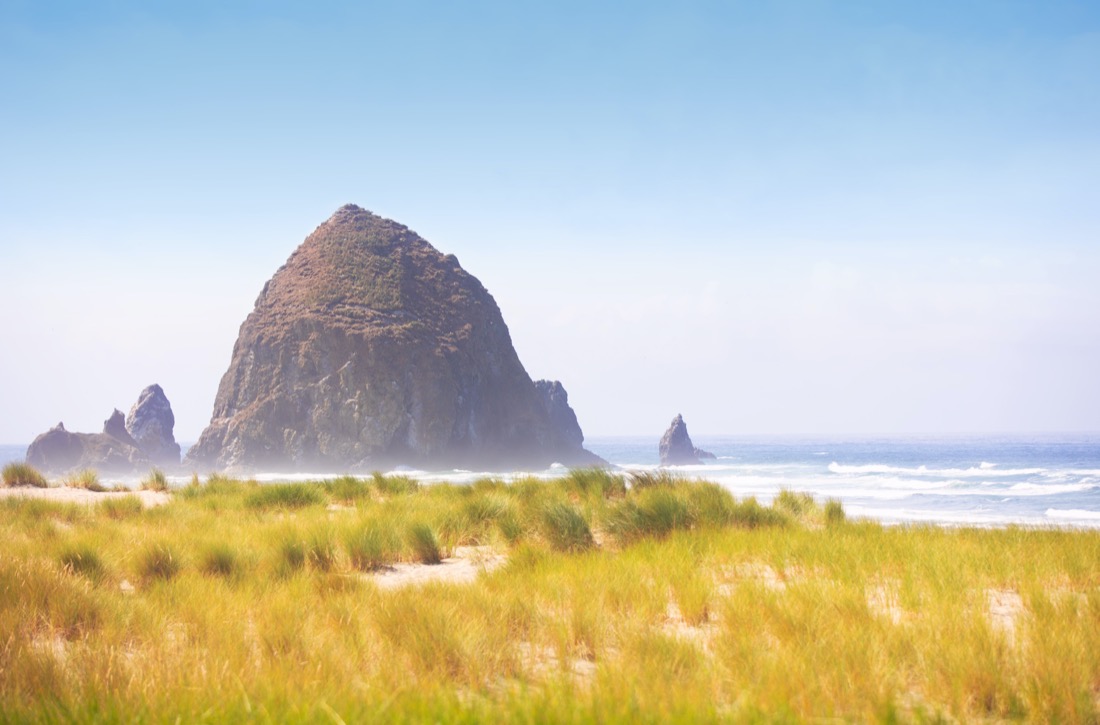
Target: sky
x=814, y=217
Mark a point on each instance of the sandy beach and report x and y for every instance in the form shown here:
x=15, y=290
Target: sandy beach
x=64, y=494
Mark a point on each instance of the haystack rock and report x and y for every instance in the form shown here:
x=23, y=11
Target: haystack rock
x=369, y=348
x=151, y=424
x=676, y=448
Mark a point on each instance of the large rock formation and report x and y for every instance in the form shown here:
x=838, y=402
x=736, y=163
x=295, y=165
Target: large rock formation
x=114, y=450
x=676, y=448
x=369, y=348
x=151, y=424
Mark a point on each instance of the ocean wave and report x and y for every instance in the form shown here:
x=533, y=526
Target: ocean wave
x=984, y=470
x=1048, y=489
x=936, y=516
x=1073, y=514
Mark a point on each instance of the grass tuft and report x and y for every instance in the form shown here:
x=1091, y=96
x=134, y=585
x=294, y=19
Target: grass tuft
x=371, y=546
x=290, y=556
x=219, y=560
x=155, y=481
x=795, y=504
x=650, y=479
x=321, y=549
x=87, y=479
x=23, y=474
x=121, y=507
x=586, y=481
x=565, y=528
x=394, y=485
x=285, y=496
x=158, y=562
x=82, y=559
x=347, y=489
x=834, y=513
x=424, y=543
x=749, y=514
x=654, y=512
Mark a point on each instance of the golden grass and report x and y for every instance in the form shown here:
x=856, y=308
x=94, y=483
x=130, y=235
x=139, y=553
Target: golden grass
x=233, y=604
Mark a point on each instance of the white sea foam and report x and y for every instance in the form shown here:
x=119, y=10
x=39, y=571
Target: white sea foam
x=1074, y=514
x=1046, y=489
x=976, y=471
x=950, y=518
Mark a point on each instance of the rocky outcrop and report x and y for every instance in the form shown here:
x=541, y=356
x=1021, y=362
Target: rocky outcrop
x=115, y=450
x=151, y=424
x=563, y=421
x=676, y=448
x=370, y=348
x=115, y=427
x=60, y=451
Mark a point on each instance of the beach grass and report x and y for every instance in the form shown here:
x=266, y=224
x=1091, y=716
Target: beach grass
x=666, y=601
x=155, y=481
x=87, y=479
x=23, y=474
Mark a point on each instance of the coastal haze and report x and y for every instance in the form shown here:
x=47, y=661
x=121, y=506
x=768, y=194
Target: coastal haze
x=835, y=220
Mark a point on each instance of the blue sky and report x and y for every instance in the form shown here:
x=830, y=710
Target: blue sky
x=790, y=217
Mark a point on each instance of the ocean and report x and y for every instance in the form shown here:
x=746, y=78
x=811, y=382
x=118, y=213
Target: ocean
x=1046, y=480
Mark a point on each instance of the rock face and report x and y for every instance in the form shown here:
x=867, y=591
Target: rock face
x=115, y=427
x=705, y=455
x=114, y=450
x=151, y=424
x=563, y=421
x=60, y=451
x=676, y=447
x=370, y=348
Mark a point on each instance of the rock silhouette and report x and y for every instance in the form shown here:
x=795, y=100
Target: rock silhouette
x=369, y=348
x=116, y=449
x=676, y=448
x=151, y=424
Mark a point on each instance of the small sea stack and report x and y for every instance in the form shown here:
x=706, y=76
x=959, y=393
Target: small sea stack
x=676, y=448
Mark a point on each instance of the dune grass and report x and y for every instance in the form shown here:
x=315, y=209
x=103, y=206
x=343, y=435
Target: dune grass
x=87, y=479
x=665, y=601
x=155, y=481
x=23, y=474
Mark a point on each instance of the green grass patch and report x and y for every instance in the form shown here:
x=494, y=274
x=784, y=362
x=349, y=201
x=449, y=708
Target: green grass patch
x=23, y=474
x=371, y=546
x=219, y=560
x=155, y=481
x=565, y=528
x=702, y=607
x=158, y=562
x=121, y=507
x=285, y=496
x=82, y=559
x=394, y=485
x=424, y=543
x=87, y=479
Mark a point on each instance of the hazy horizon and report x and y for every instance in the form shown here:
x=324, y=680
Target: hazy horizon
x=829, y=219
